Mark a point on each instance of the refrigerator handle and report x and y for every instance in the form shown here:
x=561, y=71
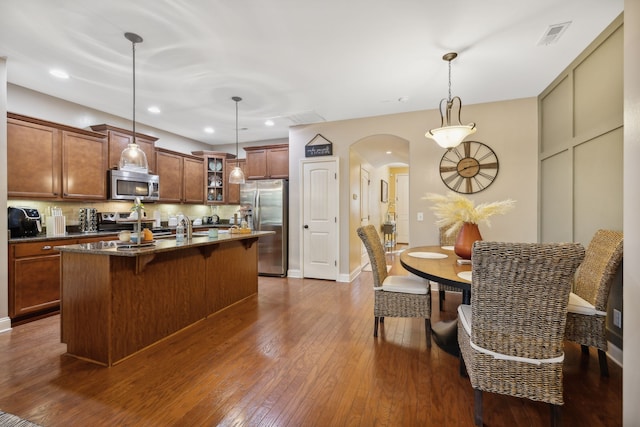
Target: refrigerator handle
x=257, y=212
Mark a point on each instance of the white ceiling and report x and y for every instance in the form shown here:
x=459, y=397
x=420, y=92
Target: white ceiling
x=293, y=61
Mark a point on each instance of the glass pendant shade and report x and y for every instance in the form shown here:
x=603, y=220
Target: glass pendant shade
x=236, y=176
x=133, y=159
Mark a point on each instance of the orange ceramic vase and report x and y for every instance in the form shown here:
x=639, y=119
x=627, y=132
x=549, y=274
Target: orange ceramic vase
x=468, y=234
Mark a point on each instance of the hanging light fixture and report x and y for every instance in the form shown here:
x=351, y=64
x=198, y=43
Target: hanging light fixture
x=236, y=176
x=133, y=158
x=448, y=135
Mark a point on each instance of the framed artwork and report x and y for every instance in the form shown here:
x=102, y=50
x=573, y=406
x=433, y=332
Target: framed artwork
x=384, y=191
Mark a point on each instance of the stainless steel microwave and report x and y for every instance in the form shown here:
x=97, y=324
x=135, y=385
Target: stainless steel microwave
x=127, y=185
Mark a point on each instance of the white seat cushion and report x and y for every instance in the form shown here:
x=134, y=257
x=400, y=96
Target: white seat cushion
x=464, y=314
x=405, y=285
x=579, y=305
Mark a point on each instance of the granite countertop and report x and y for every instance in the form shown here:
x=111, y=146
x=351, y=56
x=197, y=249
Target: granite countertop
x=116, y=248
x=75, y=235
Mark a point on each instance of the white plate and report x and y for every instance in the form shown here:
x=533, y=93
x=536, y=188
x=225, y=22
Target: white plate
x=427, y=255
x=447, y=248
x=466, y=275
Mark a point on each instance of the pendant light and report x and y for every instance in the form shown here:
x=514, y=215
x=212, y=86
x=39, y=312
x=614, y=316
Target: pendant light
x=132, y=157
x=448, y=135
x=236, y=176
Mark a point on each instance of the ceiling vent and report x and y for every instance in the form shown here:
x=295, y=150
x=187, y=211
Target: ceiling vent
x=553, y=33
x=305, y=118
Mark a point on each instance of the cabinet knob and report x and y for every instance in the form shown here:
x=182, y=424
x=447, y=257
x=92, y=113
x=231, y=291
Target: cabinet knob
x=306, y=226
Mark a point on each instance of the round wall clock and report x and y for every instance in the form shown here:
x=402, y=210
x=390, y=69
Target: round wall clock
x=469, y=168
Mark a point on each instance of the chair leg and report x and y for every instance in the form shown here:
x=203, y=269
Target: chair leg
x=477, y=407
x=604, y=368
x=441, y=298
x=375, y=326
x=427, y=328
x=585, y=349
x=463, y=367
x=556, y=411
x=382, y=320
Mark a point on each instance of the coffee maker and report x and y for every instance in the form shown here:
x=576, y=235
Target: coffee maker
x=24, y=222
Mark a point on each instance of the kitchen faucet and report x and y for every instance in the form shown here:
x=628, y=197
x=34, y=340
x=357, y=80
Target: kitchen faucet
x=188, y=227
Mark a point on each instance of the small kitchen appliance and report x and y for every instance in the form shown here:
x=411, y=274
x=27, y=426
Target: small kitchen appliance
x=24, y=222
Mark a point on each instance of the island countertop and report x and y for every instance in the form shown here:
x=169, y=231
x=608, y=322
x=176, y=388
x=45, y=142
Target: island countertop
x=117, y=248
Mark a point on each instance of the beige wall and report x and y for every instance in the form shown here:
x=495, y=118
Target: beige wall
x=509, y=127
x=631, y=273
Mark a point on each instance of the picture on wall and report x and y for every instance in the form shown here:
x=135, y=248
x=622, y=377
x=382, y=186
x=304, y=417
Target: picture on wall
x=384, y=191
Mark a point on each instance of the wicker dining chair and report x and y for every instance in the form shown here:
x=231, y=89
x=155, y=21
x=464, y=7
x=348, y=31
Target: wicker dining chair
x=587, y=316
x=445, y=240
x=394, y=295
x=511, y=336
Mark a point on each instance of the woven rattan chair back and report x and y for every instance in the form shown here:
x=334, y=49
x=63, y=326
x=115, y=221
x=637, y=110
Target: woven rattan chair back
x=597, y=272
x=371, y=240
x=519, y=296
x=447, y=240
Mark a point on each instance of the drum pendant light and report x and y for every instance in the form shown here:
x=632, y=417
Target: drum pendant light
x=133, y=158
x=450, y=135
x=236, y=176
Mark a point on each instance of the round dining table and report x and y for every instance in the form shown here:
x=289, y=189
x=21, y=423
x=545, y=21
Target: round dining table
x=440, y=264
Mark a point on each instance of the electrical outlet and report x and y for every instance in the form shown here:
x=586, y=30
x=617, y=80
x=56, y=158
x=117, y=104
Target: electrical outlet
x=420, y=216
x=617, y=318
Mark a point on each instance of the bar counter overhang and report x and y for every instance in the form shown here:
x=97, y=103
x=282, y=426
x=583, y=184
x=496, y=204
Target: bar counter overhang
x=115, y=302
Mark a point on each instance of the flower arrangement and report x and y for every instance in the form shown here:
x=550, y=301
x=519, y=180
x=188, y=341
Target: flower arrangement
x=454, y=210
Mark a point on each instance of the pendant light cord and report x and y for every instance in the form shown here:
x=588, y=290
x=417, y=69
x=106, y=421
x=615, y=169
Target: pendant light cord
x=133, y=48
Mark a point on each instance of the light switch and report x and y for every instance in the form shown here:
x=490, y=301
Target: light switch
x=420, y=216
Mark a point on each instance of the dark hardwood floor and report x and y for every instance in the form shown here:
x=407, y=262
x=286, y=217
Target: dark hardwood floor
x=301, y=353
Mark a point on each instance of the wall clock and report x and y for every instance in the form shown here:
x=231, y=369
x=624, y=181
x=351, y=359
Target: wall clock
x=469, y=168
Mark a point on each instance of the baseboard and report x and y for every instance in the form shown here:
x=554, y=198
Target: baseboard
x=615, y=354
x=5, y=324
x=347, y=278
x=296, y=274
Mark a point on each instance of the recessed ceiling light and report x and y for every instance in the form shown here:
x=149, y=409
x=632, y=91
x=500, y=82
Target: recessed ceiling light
x=61, y=74
x=209, y=130
x=388, y=152
x=269, y=123
x=154, y=109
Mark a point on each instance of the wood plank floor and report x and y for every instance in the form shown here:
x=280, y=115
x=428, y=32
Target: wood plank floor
x=301, y=353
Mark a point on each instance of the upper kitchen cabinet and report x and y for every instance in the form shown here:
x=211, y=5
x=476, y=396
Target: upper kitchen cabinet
x=47, y=160
x=215, y=179
x=267, y=161
x=181, y=177
x=120, y=138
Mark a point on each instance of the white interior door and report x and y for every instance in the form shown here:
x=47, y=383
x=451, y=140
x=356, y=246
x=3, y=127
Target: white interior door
x=402, y=207
x=320, y=220
x=364, y=210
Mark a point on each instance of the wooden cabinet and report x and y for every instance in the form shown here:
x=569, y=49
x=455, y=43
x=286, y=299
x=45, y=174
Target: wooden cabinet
x=216, y=177
x=51, y=161
x=268, y=161
x=119, y=139
x=233, y=190
x=181, y=177
x=34, y=277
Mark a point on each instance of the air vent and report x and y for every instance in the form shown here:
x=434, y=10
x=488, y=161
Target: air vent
x=553, y=33
x=305, y=118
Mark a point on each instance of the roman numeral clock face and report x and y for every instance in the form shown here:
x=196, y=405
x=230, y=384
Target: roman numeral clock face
x=469, y=168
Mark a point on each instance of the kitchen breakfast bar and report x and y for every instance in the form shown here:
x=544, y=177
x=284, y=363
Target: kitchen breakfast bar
x=117, y=300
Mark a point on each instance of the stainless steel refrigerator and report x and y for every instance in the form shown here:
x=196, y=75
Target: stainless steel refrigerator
x=268, y=203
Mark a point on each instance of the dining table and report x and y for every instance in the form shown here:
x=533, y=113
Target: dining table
x=440, y=264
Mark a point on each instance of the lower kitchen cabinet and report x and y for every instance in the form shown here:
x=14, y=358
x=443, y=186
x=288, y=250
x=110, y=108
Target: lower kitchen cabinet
x=34, y=277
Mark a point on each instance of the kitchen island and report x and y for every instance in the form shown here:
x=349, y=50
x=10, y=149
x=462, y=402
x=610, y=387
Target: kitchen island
x=117, y=300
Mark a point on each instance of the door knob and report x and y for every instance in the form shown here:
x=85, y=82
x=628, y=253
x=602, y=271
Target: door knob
x=306, y=226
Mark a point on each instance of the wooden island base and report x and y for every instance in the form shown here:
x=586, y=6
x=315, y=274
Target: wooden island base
x=113, y=306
